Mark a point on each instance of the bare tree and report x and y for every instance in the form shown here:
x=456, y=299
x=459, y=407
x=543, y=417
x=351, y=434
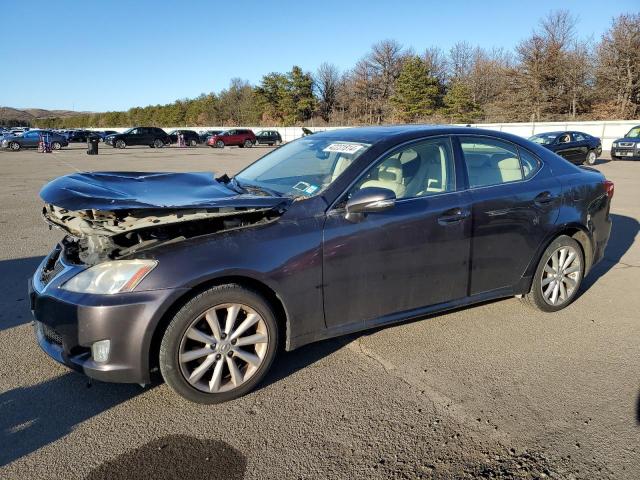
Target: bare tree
x=327, y=82
x=618, y=68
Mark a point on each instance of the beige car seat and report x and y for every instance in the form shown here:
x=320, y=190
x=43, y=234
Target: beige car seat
x=389, y=176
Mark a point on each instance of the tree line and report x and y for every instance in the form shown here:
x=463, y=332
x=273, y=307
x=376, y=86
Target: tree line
x=554, y=74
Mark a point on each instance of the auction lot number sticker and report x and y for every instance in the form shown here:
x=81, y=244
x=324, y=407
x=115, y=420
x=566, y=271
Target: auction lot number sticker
x=349, y=148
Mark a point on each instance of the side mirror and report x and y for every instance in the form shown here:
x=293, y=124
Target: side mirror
x=369, y=200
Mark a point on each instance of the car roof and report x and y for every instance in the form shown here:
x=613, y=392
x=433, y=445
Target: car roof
x=401, y=132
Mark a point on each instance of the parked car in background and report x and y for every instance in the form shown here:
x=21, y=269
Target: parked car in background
x=204, y=136
x=31, y=138
x=191, y=137
x=154, y=137
x=204, y=278
x=268, y=137
x=577, y=147
x=627, y=147
x=238, y=136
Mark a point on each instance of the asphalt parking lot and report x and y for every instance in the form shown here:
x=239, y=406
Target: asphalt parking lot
x=495, y=390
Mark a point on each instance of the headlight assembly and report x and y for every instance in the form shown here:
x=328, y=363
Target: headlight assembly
x=108, y=278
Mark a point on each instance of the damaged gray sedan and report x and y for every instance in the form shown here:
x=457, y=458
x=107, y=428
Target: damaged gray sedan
x=201, y=279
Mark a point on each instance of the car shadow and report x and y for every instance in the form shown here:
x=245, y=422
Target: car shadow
x=623, y=233
x=14, y=306
x=34, y=416
x=288, y=363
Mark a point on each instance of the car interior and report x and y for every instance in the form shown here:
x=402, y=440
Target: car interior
x=423, y=169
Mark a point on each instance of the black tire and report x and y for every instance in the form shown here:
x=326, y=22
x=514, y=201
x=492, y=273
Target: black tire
x=193, y=142
x=591, y=158
x=56, y=145
x=15, y=146
x=248, y=144
x=219, y=144
x=535, y=298
x=120, y=144
x=157, y=143
x=196, y=307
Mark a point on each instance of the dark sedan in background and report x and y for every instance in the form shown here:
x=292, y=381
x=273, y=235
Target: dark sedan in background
x=31, y=138
x=191, y=138
x=204, y=136
x=151, y=136
x=327, y=235
x=268, y=137
x=577, y=147
x=628, y=147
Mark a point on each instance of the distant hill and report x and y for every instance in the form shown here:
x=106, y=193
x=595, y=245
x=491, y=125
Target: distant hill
x=31, y=114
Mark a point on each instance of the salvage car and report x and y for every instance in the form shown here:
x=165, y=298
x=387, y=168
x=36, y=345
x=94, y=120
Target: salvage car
x=203, y=278
x=242, y=137
x=190, y=137
x=268, y=137
x=31, y=139
x=577, y=147
x=628, y=147
x=151, y=136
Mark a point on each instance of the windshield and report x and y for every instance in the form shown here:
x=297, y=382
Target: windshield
x=304, y=167
x=634, y=133
x=543, y=138
x=129, y=130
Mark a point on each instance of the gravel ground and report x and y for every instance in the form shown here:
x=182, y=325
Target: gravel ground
x=496, y=390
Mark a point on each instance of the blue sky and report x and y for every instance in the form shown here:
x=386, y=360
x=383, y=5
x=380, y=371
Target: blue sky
x=90, y=55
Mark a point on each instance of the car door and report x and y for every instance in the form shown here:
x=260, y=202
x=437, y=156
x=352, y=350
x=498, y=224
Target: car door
x=516, y=200
x=581, y=147
x=30, y=139
x=410, y=256
x=231, y=137
x=563, y=146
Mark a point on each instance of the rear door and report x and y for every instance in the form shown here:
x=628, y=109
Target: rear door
x=516, y=200
x=581, y=147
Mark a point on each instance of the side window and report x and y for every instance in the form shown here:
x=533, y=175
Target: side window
x=490, y=161
x=420, y=169
x=530, y=164
x=578, y=137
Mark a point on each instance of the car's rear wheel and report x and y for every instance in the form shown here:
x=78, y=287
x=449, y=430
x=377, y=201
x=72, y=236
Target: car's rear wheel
x=219, y=345
x=157, y=143
x=56, y=145
x=15, y=146
x=592, y=156
x=220, y=144
x=558, y=276
x=248, y=144
x=120, y=144
x=193, y=142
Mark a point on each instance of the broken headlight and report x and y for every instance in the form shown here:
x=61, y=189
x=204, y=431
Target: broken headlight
x=107, y=278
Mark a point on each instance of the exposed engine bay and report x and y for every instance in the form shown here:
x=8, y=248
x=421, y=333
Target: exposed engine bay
x=145, y=211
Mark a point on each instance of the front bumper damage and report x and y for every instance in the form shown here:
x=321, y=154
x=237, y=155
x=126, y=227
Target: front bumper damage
x=67, y=324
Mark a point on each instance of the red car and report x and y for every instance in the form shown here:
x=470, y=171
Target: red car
x=240, y=137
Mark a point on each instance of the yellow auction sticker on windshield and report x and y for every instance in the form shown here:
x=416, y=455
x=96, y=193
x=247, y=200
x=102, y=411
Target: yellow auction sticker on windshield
x=343, y=148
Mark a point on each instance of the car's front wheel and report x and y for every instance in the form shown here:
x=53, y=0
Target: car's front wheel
x=120, y=144
x=56, y=145
x=592, y=156
x=219, y=345
x=220, y=144
x=558, y=276
x=15, y=146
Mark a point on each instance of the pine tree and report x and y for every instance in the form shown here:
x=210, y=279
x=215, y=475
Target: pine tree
x=459, y=105
x=416, y=91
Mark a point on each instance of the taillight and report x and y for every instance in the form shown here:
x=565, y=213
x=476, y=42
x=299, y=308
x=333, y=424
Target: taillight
x=608, y=188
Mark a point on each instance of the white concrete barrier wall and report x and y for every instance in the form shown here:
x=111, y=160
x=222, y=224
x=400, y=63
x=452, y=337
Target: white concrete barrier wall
x=607, y=131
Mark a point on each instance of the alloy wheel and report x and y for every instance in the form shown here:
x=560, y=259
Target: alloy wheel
x=591, y=157
x=120, y=144
x=56, y=145
x=15, y=146
x=158, y=143
x=223, y=348
x=561, y=276
x=220, y=144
